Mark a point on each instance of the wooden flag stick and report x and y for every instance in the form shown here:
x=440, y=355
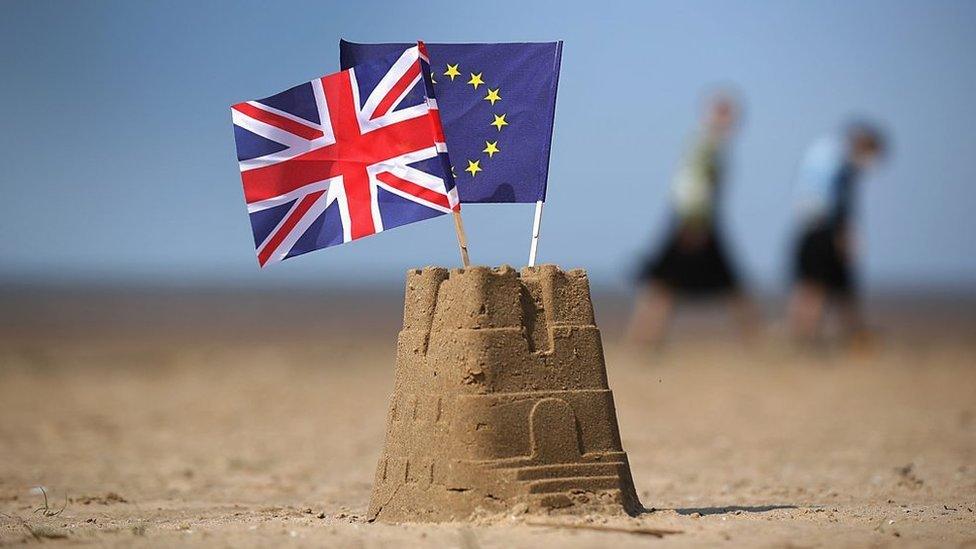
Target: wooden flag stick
x=462, y=239
x=534, y=247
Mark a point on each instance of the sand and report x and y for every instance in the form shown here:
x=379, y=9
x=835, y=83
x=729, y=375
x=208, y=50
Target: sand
x=224, y=419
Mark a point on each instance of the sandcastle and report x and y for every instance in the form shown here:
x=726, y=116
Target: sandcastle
x=500, y=401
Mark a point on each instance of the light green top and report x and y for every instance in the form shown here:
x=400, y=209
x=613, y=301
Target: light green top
x=696, y=182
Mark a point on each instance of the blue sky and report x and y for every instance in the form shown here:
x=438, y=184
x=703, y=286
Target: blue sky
x=118, y=155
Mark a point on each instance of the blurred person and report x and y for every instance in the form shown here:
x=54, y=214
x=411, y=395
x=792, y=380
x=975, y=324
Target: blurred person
x=693, y=260
x=826, y=247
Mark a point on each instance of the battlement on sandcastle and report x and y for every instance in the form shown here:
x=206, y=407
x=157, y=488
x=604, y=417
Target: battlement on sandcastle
x=500, y=399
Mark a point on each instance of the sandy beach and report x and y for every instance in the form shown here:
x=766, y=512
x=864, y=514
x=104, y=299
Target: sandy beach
x=214, y=419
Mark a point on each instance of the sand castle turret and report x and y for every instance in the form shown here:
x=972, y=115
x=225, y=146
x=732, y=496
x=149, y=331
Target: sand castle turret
x=500, y=399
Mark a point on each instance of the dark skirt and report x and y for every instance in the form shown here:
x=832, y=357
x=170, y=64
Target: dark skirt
x=819, y=260
x=692, y=262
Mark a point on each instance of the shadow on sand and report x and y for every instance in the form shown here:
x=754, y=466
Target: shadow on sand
x=704, y=511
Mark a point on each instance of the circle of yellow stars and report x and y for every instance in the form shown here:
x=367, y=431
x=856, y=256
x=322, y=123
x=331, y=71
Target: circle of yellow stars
x=499, y=121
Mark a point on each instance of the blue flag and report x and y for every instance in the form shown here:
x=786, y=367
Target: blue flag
x=497, y=103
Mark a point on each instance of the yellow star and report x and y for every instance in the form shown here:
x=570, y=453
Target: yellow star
x=493, y=96
x=473, y=167
x=452, y=71
x=491, y=147
x=476, y=80
x=499, y=122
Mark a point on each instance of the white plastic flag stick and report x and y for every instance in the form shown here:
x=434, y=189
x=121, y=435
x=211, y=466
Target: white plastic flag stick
x=462, y=239
x=535, y=233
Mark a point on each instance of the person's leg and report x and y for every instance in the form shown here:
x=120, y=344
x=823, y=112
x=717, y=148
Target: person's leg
x=806, y=310
x=746, y=314
x=652, y=311
x=855, y=330
x=856, y=333
x=850, y=314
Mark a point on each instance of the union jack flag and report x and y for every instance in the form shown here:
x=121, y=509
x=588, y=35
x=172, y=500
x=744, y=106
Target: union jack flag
x=344, y=156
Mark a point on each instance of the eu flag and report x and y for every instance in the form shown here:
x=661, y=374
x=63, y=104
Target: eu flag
x=497, y=103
